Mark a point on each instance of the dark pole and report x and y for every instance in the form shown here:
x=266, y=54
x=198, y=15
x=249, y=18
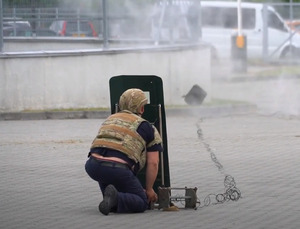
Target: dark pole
x=1, y=27
x=105, y=27
x=291, y=19
x=33, y=17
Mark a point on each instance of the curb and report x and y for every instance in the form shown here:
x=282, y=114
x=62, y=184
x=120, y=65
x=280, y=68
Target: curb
x=53, y=115
x=203, y=112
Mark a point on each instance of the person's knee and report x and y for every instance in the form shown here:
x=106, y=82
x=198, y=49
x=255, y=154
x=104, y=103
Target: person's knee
x=142, y=208
x=143, y=205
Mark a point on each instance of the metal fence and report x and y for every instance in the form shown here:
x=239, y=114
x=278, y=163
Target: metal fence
x=108, y=21
x=43, y=18
x=288, y=49
x=166, y=21
x=117, y=21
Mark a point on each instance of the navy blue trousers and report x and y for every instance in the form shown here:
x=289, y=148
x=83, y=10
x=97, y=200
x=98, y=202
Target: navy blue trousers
x=131, y=195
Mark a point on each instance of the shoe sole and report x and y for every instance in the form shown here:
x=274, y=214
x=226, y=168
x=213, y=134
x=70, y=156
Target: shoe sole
x=109, y=200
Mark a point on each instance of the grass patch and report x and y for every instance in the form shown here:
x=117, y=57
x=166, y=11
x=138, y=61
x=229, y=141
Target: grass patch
x=220, y=102
x=213, y=102
x=278, y=71
x=259, y=68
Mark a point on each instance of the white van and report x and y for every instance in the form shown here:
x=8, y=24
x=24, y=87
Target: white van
x=219, y=23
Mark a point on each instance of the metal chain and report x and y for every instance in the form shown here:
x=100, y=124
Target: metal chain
x=231, y=191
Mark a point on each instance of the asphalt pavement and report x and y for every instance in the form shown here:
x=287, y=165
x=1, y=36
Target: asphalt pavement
x=44, y=185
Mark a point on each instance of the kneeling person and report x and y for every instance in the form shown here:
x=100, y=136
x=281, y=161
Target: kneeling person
x=124, y=144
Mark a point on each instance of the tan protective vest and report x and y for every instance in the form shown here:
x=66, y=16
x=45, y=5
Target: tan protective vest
x=119, y=132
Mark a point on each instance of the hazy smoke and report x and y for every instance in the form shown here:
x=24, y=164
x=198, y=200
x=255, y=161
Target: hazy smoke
x=276, y=94
x=281, y=97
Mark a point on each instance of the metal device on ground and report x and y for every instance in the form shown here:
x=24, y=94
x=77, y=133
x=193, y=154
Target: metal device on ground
x=166, y=199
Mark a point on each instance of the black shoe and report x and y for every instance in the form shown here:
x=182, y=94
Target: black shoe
x=110, y=200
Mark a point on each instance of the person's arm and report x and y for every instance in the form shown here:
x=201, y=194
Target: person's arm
x=151, y=174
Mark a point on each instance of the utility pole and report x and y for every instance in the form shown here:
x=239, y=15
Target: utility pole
x=1, y=27
x=239, y=44
x=105, y=24
x=291, y=20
